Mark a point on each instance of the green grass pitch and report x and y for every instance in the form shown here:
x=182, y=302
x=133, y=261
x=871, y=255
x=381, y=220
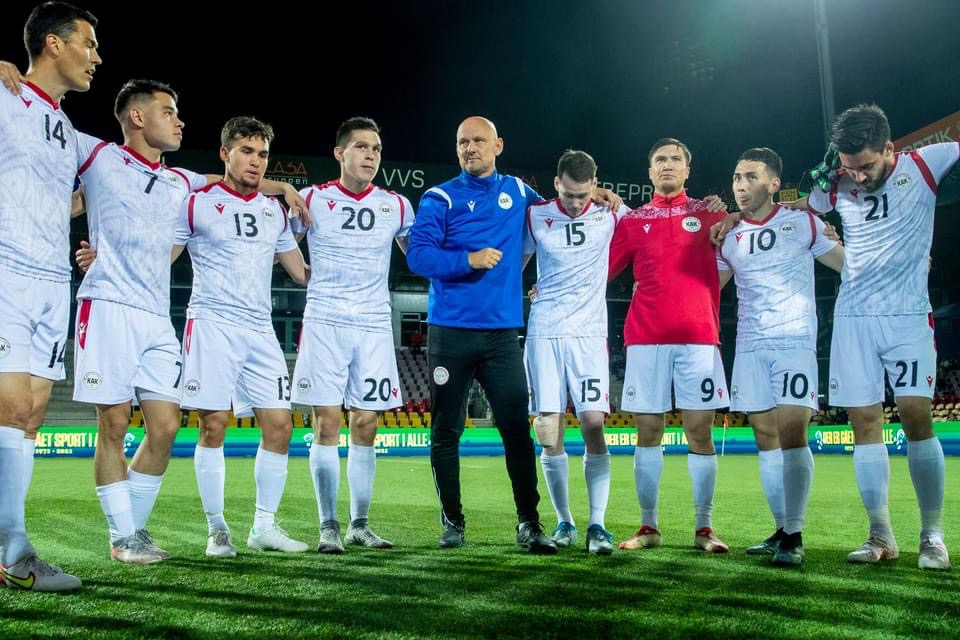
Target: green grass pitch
x=487, y=589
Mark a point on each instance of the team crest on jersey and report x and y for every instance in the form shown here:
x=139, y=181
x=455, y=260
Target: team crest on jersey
x=787, y=227
x=549, y=222
x=386, y=210
x=691, y=224
x=505, y=201
x=92, y=380
x=631, y=393
x=303, y=384
x=441, y=376
x=598, y=218
x=4, y=348
x=901, y=181
x=268, y=213
x=191, y=387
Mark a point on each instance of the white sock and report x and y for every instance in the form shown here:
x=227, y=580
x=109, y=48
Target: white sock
x=270, y=473
x=556, y=472
x=771, y=479
x=797, y=479
x=211, y=471
x=647, y=469
x=29, y=449
x=13, y=530
x=143, y=495
x=596, y=471
x=872, y=466
x=115, y=503
x=925, y=459
x=361, y=470
x=325, y=470
x=703, y=474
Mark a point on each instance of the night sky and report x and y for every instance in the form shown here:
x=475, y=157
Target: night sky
x=608, y=77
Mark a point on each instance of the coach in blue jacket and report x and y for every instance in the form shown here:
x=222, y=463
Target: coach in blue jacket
x=467, y=239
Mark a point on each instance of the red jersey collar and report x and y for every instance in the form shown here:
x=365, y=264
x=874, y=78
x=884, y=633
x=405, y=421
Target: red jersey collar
x=662, y=202
x=236, y=194
x=140, y=158
x=42, y=95
x=765, y=220
x=351, y=194
x=567, y=213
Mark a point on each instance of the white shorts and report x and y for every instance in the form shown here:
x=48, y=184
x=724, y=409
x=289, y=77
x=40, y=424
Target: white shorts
x=122, y=352
x=558, y=366
x=343, y=365
x=694, y=370
x=34, y=319
x=767, y=378
x=225, y=365
x=863, y=347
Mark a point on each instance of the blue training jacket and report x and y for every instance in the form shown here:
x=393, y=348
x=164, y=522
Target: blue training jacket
x=460, y=216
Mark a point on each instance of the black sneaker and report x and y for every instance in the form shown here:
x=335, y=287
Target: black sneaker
x=790, y=551
x=769, y=546
x=452, y=537
x=531, y=538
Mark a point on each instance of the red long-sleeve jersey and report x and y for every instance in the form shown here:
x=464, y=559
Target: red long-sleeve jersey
x=677, y=300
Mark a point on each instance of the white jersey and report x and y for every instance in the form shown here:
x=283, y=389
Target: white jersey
x=350, y=242
x=132, y=207
x=38, y=167
x=232, y=241
x=573, y=255
x=772, y=264
x=887, y=234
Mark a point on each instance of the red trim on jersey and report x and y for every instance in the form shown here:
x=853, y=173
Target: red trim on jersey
x=310, y=196
x=93, y=154
x=402, y=208
x=83, y=321
x=140, y=158
x=758, y=223
x=567, y=213
x=285, y=219
x=924, y=171
x=193, y=198
x=235, y=193
x=813, y=229
x=43, y=95
x=356, y=196
x=662, y=202
x=182, y=175
x=833, y=199
x=930, y=320
x=188, y=336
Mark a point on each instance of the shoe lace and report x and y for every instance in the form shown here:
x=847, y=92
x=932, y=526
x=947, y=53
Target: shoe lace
x=221, y=537
x=41, y=568
x=145, y=537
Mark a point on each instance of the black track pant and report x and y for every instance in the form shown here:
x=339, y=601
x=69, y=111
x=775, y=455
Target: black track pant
x=456, y=357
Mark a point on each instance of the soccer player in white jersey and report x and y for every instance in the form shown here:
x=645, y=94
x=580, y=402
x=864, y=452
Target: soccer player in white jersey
x=126, y=346
x=230, y=349
x=882, y=320
x=346, y=348
x=770, y=255
x=566, y=346
x=37, y=171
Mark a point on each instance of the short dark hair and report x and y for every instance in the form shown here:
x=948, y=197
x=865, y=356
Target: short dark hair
x=58, y=18
x=666, y=142
x=864, y=126
x=767, y=156
x=245, y=127
x=138, y=89
x=578, y=165
x=357, y=123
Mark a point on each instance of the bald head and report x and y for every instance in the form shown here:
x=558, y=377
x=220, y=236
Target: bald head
x=478, y=146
